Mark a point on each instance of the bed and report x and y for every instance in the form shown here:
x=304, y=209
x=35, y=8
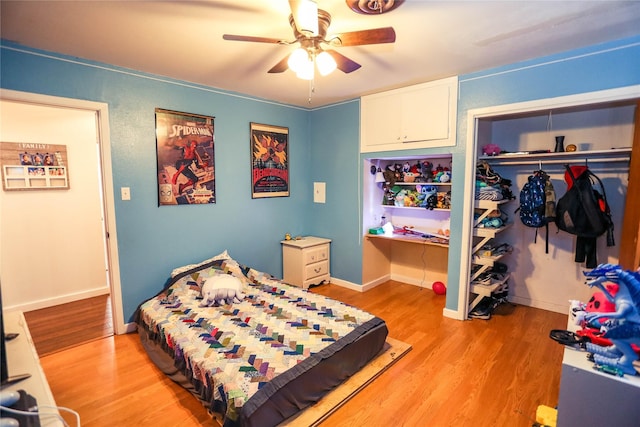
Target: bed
x=261, y=358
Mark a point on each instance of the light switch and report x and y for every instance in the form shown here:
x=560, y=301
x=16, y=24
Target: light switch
x=125, y=192
x=319, y=192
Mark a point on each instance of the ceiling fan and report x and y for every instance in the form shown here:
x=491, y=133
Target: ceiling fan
x=310, y=26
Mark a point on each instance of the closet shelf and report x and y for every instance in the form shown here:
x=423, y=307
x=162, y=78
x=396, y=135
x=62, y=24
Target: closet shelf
x=487, y=260
x=482, y=289
x=525, y=158
x=490, y=204
x=490, y=232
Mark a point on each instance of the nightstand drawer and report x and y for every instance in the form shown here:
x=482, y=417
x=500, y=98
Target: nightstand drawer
x=317, y=269
x=316, y=255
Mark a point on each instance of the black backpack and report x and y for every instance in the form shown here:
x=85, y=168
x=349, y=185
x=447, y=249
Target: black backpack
x=584, y=212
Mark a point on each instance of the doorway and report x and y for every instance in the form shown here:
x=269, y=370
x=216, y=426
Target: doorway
x=60, y=246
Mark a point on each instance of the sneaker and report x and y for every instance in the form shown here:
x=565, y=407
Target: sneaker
x=483, y=310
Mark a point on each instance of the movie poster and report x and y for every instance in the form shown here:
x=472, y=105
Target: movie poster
x=186, y=173
x=269, y=161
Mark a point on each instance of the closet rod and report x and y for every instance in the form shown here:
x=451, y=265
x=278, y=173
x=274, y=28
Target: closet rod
x=555, y=162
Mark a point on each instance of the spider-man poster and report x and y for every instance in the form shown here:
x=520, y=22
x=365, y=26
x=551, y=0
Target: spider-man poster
x=186, y=173
x=269, y=161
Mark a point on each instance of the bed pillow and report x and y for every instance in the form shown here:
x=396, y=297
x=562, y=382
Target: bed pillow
x=178, y=270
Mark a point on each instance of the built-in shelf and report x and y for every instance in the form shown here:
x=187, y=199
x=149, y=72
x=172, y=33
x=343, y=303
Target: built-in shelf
x=489, y=231
x=424, y=183
x=433, y=241
x=524, y=158
x=485, y=290
x=414, y=208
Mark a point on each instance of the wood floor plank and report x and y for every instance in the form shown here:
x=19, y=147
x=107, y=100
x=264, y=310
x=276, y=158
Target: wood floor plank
x=67, y=325
x=479, y=372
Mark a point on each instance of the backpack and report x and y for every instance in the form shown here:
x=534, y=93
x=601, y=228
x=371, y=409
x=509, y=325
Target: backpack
x=584, y=212
x=537, y=203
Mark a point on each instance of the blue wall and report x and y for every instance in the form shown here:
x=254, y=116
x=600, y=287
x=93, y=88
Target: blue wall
x=335, y=145
x=153, y=240
x=324, y=147
x=599, y=67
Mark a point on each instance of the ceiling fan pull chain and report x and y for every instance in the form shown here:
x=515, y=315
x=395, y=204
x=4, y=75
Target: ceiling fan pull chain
x=312, y=87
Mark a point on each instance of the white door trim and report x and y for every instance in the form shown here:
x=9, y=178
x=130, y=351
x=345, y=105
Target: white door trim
x=473, y=115
x=102, y=124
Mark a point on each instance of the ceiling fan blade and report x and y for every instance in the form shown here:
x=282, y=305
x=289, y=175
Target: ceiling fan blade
x=305, y=16
x=343, y=63
x=234, y=37
x=281, y=66
x=362, y=37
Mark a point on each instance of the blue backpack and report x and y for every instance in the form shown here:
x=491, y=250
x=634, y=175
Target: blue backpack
x=537, y=203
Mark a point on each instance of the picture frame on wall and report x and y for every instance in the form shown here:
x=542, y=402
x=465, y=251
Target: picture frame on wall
x=185, y=152
x=269, y=161
x=34, y=166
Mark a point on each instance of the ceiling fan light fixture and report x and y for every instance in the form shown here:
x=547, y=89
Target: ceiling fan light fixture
x=306, y=13
x=326, y=63
x=298, y=59
x=306, y=72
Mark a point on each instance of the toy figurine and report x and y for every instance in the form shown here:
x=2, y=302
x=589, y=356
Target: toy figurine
x=622, y=326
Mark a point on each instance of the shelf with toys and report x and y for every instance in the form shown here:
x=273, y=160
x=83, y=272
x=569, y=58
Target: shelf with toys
x=422, y=184
x=413, y=247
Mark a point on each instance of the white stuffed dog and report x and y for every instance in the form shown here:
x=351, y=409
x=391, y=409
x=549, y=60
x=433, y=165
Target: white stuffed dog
x=221, y=289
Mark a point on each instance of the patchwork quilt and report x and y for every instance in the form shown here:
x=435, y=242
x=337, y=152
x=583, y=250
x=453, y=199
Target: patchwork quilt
x=258, y=361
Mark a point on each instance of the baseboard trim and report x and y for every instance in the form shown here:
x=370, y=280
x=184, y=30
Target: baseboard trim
x=347, y=284
x=130, y=327
x=412, y=281
x=452, y=314
x=549, y=306
x=374, y=283
x=61, y=299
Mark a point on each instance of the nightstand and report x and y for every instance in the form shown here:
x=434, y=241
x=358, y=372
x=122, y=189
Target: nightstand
x=306, y=261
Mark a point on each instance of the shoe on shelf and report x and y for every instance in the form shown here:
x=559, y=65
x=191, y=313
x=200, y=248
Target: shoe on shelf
x=483, y=310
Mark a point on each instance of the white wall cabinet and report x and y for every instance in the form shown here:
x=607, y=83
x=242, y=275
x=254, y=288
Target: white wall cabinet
x=418, y=116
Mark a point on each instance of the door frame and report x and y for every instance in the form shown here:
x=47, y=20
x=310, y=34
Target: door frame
x=473, y=117
x=101, y=111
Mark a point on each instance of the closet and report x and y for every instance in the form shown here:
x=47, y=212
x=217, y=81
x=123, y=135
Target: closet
x=602, y=134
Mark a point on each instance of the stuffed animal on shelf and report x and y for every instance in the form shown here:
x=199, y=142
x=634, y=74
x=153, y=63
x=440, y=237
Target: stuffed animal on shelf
x=399, y=175
x=221, y=289
x=400, y=195
x=426, y=171
x=428, y=196
x=445, y=177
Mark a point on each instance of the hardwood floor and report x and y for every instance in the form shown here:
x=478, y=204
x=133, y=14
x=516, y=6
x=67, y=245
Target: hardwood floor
x=474, y=373
x=68, y=325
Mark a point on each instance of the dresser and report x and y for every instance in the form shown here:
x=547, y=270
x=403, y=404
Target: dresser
x=22, y=358
x=592, y=398
x=305, y=261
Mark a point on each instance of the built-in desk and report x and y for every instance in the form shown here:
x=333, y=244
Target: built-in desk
x=406, y=258
x=22, y=358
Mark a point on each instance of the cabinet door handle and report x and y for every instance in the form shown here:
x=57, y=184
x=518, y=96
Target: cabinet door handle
x=317, y=270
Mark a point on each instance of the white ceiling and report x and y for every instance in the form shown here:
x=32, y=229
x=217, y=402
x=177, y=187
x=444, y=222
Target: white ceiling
x=434, y=39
